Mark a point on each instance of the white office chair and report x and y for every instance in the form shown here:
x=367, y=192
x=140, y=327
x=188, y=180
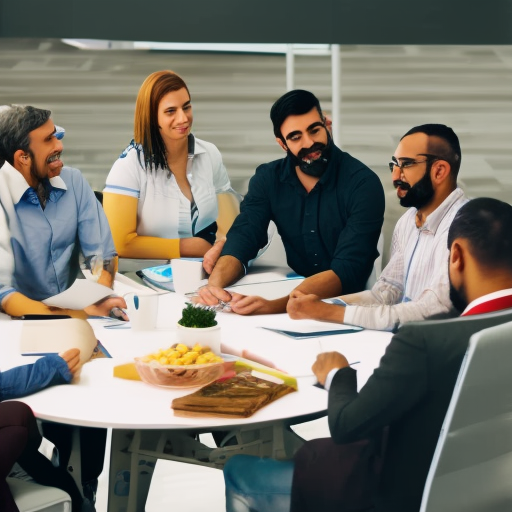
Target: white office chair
x=273, y=254
x=32, y=497
x=472, y=465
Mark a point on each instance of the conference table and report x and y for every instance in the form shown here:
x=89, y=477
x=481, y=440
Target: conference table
x=144, y=427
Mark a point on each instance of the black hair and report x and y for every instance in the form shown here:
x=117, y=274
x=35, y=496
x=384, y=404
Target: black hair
x=448, y=148
x=293, y=103
x=486, y=224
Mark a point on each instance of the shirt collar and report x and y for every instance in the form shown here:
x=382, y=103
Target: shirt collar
x=193, y=147
x=487, y=298
x=17, y=184
x=433, y=220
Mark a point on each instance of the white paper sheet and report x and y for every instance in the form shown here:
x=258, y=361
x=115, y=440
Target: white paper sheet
x=79, y=295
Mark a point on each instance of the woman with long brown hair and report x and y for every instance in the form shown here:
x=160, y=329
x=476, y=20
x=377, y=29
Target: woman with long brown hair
x=163, y=194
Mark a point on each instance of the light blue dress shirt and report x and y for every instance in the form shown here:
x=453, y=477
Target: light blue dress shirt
x=46, y=243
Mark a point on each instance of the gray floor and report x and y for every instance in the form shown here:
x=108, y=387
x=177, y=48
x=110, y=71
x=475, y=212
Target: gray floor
x=385, y=90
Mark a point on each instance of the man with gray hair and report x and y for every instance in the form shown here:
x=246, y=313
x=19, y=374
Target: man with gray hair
x=48, y=215
x=51, y=214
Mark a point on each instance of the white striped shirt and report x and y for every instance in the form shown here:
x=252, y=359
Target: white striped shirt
x=414, y=285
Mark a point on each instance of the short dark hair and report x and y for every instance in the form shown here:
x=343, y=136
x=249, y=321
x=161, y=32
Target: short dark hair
x=486, y=224
x=293, y=103
x=16, y=123
x=448, y=147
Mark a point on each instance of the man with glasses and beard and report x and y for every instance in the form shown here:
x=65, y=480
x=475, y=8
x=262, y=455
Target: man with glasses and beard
x=328, y=208
x=414, y=284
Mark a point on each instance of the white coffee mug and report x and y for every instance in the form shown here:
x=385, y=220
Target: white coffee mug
x=187, y=275
x=142, y=310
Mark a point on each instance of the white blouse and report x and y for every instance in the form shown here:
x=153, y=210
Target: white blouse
x=163, y=210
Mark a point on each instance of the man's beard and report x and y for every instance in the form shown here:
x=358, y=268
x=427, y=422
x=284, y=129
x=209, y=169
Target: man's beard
x=34, y=169
x=419, y=194
x=458, y=298
x=314, y=167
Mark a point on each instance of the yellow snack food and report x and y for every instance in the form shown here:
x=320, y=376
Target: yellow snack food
x=181, y=355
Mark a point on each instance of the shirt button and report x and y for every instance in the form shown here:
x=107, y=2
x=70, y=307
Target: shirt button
x=315, y=265
x=312, y=231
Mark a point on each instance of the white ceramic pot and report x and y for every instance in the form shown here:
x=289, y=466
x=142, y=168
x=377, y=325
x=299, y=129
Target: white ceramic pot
x=205, y=336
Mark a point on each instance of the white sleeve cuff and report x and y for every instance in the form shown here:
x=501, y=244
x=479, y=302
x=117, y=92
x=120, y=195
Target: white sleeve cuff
x=328, y=380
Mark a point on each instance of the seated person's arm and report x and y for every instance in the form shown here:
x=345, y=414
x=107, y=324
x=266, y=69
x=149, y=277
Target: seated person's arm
x=121, y=211
x=356, y=415
x=246, y=236
x=16, y=304
x=325, y=283
x=47, y=371
x=229, y=208
x=370, y=303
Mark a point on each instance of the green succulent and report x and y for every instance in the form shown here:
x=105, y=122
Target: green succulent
x=193, y=316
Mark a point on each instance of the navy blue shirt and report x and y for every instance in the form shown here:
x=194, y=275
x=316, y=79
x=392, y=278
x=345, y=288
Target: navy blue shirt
x=335, y=226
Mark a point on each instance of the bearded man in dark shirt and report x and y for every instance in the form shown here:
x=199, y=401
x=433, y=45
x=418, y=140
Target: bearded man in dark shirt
x=328, y=208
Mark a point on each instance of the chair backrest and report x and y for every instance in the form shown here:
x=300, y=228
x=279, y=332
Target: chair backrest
x=377, y=264
x=99, y=196
x=273, y=254
x=471, y=468
x=32, y=497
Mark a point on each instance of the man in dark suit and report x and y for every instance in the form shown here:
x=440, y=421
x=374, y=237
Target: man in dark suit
x=410, y=390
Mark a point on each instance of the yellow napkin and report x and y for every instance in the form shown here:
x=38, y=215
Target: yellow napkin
x=126, y=371
x=251, y=365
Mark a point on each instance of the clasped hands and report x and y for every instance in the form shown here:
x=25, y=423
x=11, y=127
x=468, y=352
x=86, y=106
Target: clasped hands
x=236, y=302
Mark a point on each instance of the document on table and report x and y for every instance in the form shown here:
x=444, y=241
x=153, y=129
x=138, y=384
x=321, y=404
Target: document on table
x=292, y=355
x=308, y=333
x=266, y=277
x=79, y=295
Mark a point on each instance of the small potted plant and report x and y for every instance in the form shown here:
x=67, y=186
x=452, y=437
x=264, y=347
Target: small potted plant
x=198, y=325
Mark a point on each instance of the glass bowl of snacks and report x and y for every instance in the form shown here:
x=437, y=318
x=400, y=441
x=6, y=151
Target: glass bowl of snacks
x=180, y=367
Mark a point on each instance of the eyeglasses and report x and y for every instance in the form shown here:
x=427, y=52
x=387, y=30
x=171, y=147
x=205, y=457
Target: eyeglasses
x=59, y=132
x=409, y=163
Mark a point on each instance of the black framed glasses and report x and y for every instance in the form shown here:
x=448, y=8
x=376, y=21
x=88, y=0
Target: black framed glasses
x=406, y=163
